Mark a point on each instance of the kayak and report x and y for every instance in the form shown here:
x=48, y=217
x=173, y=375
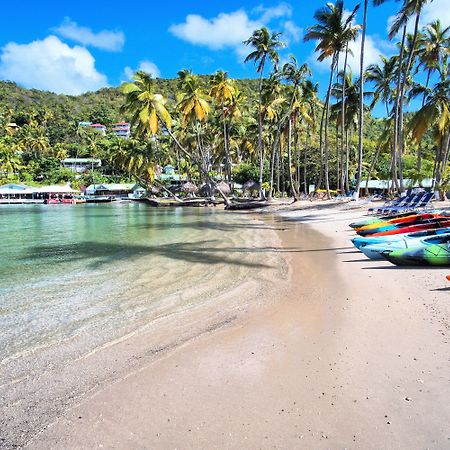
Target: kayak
x=371, y=220
x=427, y=225
x=433, y=255
x=407, y=220
x=361, y=241
x=375, y=251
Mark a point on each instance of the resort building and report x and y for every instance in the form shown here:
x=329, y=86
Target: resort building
x=81, y=165
x=19, y=193
x=169, y=174
x=122, y=130
x=118, y=190
x=96, y=126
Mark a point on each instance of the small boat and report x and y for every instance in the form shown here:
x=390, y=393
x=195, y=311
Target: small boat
x=361, y=241
x=376, y=251
x=430, y=255
x=427, y=224
x=98, y=198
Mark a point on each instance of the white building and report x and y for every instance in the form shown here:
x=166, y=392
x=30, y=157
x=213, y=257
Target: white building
x=122, y=130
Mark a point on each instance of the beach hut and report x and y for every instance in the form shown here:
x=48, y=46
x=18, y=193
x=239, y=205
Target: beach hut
x=189, y=188
x=251, y=186
x=224, y=187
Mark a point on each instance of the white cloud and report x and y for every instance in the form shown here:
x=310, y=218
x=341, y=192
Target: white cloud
x=438, y=9
x=292, y=31
x=52, y=65
x=105, y=39
x=229, y=30
x=225, y=30
x=275, y=12
x=146, y=66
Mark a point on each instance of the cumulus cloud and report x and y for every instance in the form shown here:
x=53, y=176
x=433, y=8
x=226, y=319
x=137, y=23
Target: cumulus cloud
x=146, y=66
x=224, y=30
x=229, y=30
x=52, y=65
x=104, y=40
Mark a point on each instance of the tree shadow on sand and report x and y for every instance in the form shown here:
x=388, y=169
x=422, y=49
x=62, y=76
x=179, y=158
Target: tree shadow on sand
x=97, y=254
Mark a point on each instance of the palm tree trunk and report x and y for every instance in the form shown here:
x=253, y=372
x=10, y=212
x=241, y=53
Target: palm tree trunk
x=225, y=141
x=260, y=140
x=327, y=115
x=343, y=118
x=291, y=180
x=361, y=104
x=305, y=160
x=395, y=146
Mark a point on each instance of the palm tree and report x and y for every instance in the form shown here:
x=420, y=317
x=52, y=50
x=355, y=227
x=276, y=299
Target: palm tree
x=266, y=47
x=194, y=107
x=434, y=47
x=333, y=31
x=435, y=114
x=224, y=91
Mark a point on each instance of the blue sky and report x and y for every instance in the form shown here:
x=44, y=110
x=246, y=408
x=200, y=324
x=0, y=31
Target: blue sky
x=71, y=47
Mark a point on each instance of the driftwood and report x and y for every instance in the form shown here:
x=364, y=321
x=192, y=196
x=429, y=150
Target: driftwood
x=246, y=206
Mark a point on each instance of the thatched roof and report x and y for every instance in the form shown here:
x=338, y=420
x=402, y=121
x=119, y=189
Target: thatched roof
x=224, y=187
x=189, y=187
x=153, y=190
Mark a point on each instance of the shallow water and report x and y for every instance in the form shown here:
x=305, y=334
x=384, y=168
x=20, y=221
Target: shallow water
x=100, y=271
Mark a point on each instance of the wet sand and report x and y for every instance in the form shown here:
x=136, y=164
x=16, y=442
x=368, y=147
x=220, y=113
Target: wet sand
x=345, y=353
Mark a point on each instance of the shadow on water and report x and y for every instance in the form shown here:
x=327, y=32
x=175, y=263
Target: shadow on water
x=97, y=254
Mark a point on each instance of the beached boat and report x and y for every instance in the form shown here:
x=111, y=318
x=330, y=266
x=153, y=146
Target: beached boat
x=428, y=225
x=376, y=251
x=433, y=255
x=360, y=241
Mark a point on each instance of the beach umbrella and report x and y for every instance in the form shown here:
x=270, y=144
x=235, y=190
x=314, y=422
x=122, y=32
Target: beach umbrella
x=224, y=187
x=189, y=187
x=251, y=186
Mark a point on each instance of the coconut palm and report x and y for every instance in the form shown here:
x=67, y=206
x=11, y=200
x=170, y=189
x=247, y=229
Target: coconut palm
x=334, y=29
x=147, y=108
x=224, y=91
x=266, y=47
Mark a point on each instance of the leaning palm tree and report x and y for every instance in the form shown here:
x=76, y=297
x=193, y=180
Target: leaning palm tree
x=266, y=47
x=334, y=29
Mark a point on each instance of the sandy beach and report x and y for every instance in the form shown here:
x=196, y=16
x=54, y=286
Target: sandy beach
x=338, y=352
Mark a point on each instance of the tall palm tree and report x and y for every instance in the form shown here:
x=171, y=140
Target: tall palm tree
x=194, y=108
x=224, y=91
x=334, y=29
x=435, y=114
x=434, y=47
x=266, y=47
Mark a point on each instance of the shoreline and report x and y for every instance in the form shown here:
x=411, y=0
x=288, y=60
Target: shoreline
x=332, y=361
x=36, y=399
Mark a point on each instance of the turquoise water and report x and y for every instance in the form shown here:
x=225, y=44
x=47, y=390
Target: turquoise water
x=83, y=275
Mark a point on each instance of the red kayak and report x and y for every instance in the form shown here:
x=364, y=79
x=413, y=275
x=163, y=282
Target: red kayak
x=433, y=223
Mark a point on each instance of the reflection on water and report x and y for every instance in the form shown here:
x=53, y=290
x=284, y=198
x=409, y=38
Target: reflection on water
x=102, y=270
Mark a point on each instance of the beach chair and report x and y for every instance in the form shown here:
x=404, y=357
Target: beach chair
x=408, y=206
x=425, y=202
x=392, y=204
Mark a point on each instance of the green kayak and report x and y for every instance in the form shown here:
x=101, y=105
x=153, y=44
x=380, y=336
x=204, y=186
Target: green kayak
x=431, y=255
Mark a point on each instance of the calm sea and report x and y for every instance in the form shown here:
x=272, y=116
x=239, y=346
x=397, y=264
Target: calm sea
x=103, y=270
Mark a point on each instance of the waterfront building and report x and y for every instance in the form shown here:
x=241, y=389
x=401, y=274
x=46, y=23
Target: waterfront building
x=118, y=190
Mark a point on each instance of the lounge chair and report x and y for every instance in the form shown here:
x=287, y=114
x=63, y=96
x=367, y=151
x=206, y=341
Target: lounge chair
x=408, y=206
x=392, y=204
